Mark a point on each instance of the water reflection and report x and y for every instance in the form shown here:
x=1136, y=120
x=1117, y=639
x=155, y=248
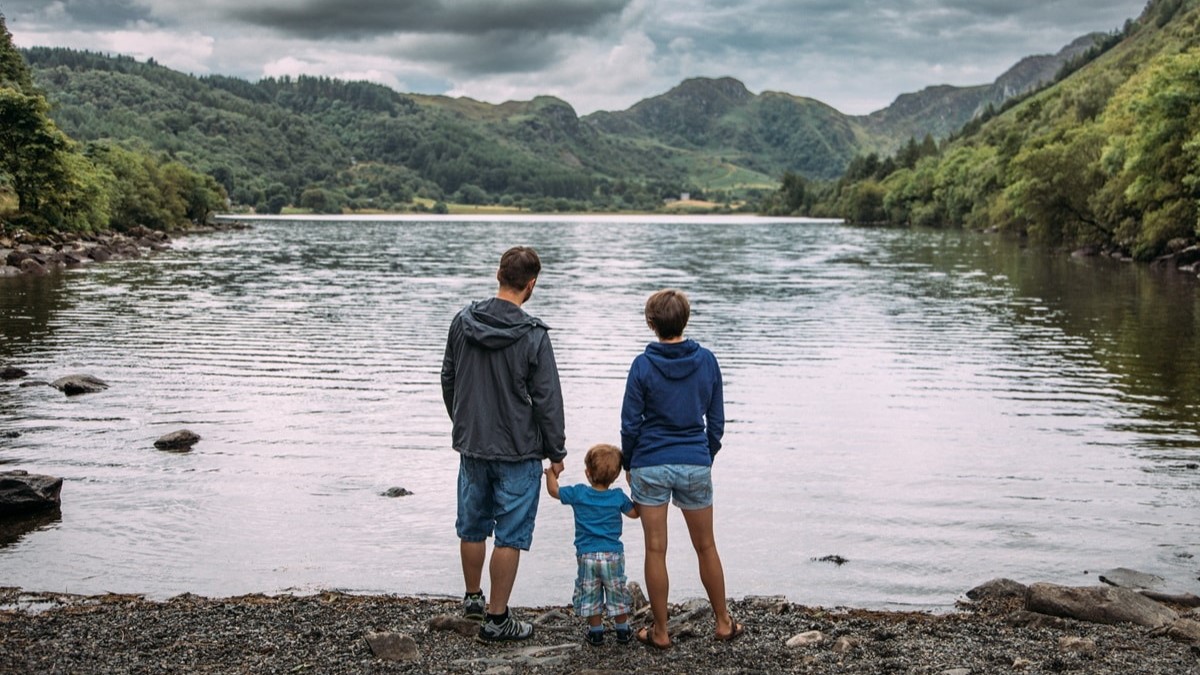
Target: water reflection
x=12, y=529
x=939, y=408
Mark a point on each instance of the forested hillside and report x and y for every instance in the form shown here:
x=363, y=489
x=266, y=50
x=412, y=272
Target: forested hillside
x=50, y=181
x=330, y=145
x=1106, y=156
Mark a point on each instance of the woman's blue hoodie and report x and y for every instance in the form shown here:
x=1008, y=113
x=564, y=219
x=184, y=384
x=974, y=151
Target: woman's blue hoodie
x=674, y=411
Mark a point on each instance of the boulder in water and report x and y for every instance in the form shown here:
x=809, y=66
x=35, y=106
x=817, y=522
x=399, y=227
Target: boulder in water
x=22, y=492
x=73, y=385
x=178, y=441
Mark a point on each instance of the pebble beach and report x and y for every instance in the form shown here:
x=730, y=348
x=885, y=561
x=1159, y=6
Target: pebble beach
x=333, y=632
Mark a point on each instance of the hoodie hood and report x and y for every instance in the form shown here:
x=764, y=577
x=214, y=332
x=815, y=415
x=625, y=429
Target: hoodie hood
x=674, y=360
x=496, y=323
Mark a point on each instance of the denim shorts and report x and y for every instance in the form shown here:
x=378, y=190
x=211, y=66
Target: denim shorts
x=600, y=585
x=498, y=497
x=688, y=485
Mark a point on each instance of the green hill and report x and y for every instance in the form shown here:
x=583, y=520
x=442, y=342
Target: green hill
x=328, y=144
x=1105, y=156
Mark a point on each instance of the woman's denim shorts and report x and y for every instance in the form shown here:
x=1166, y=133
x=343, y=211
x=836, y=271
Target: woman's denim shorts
x=689, y=486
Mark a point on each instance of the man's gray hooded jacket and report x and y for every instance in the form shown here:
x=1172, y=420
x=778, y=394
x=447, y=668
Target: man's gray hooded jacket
x=500, y=384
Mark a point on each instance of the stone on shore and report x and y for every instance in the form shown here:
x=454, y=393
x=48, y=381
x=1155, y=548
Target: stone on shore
x=12, y=373
x=998, y=589
x=22, y=492
x=177, y=441
x=73, y=385
x=1098, y=604
x=1124, y=577
x=806, y=639
x=393, y=646
x=396, y=492
x=457, y=624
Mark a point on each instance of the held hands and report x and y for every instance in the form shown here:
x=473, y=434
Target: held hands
x=552, y=478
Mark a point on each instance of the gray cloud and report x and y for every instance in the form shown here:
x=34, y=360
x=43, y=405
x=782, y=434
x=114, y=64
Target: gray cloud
x=86, y=14
x=326, y=18
x=856, y=55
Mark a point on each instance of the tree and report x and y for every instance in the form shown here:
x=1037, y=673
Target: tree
x=1053, y=182
x=1154, y=149
x=14, y=72
x=32, y=149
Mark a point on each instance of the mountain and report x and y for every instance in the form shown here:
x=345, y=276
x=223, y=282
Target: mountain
x=943, y=110
x=1104, y=158
x=362, y=145
x=775, y=132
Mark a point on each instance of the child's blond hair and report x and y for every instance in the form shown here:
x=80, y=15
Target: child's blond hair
x=603, y=462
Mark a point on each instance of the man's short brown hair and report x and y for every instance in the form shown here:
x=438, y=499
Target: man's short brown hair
x=667, y=312
x=603, y=462
x=518, y=266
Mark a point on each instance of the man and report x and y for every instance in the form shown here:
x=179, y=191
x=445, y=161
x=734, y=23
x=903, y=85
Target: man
x=500, y=384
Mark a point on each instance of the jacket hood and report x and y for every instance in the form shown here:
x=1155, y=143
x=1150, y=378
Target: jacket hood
x=495, y=323
x=674, y=360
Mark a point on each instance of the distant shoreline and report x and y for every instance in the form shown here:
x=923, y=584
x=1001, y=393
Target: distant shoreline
x=528, y=217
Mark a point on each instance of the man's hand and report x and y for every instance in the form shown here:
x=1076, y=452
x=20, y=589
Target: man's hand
x=557, y=468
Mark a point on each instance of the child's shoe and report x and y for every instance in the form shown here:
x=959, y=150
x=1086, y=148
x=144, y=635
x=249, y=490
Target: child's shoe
x=595, y=637
x=624, y=634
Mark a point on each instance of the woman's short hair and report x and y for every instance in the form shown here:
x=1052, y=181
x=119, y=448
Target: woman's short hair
x=667, y=312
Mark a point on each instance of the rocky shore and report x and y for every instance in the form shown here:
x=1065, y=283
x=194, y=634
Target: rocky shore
x=23, y=253
x=333, y=632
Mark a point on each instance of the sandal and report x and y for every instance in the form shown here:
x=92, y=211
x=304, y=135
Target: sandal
x=737, y=631
x=644, y=636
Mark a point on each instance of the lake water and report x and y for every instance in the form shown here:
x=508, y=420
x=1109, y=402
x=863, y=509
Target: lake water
x=938, y=408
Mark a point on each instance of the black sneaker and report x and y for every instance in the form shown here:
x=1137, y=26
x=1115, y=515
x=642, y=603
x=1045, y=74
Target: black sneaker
x=624, y=635
x=474, y=606
x=595, y=638
x=506, y=631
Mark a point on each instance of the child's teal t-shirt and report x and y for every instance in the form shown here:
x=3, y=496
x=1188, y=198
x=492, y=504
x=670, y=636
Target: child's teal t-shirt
x=597, y=517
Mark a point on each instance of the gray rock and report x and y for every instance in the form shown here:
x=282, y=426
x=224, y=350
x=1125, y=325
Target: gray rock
x=1186, y=631
x=179, y=441
x=9, y=271
x=458, y=624
x=1098, y=604
x=22, y=492
x=1124, y=577
x=393, y=646
x=806, y=639
x=31, y=266
x=637, y=595
x=998, y=588
x=396, y=492
x=1026, y=619
x=73, y=385
x=845, y=645
x=12, y=373
x=1071, y=643
x=775, y=604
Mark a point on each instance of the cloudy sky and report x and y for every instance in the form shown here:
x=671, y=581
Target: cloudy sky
x=856, y=55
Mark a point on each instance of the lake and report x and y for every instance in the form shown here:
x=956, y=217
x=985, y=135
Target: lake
x=937, y=408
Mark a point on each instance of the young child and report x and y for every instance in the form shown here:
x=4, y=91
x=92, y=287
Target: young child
x=600, y=583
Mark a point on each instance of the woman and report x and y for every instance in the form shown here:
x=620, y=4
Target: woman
x=672, y=420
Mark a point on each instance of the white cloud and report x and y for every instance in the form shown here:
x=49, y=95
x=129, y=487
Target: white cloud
x=188, y=52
